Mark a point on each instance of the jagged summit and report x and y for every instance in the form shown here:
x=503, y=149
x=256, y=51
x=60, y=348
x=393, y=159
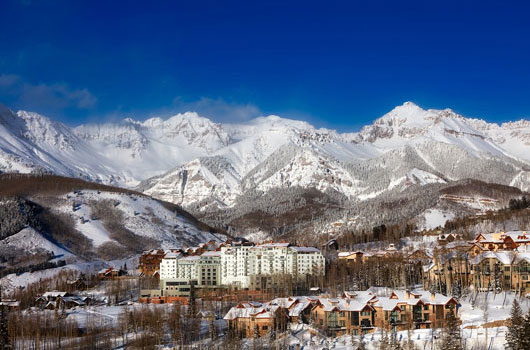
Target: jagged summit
x=190, y=159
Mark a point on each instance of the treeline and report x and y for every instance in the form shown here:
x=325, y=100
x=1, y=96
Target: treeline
x=392, y=272
x=144, y=327
x=518, y=204
x=31, y=268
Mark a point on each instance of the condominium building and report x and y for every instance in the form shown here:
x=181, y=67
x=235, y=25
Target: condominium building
x=178, y=274
x=235, y=264
x=248, y=266
x=502, y=270
x=353, y=313
x=239, y=265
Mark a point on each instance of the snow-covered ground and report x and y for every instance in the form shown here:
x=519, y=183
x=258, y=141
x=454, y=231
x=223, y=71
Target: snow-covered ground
x=473, y=330
x=471, y=314
x=437, y=218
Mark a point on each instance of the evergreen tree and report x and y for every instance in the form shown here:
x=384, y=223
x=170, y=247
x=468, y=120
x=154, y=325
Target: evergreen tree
x=4, y=331
x=515, y=328
x=452, y=337
x=524, y=339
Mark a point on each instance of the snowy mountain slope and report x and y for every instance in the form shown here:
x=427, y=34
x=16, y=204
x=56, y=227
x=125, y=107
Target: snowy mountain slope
x=140, y=215
x=31, y=241
x=408, y=146
x=79, y=220
x=204, y=166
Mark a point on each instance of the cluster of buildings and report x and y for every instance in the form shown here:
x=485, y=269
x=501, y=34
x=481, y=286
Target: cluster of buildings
x=62, y=300
x=352, y=313
x=240, y=265
x=493, y=261
x=364, y=256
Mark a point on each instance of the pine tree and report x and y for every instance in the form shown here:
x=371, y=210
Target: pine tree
x=524, y=339
x=515, y=328
x=452, y=337
x=4, y=331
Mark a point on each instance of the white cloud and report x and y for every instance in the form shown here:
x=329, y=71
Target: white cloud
x=56, y=96
x=217, y=109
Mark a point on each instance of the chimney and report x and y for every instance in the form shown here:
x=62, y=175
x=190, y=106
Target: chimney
x=407, y=295
x=432, y=296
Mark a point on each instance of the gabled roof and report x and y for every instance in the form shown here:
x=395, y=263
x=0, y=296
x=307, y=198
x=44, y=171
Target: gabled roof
x=387, y=304
x=342, y=304
x=504, y=257
x=361, y=296
x=250, y=309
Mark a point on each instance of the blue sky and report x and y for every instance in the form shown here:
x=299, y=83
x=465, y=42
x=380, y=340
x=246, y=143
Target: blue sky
x=335, y=64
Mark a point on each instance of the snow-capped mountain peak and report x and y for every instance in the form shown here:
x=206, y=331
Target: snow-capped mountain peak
x=190, y=159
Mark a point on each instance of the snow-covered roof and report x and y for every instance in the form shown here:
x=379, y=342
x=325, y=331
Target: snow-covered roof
x=306, y=249
x=402, y=297
x=344, y=254
x=54, y=294
x=517, y=236
x=273, y=245
x=387, y=304
x=211, y=254
x=249, y=309
x=10, y=303
x=361, y=296
x=505, y=257
x=498, y=237
x=189, y=258
x=342, y=304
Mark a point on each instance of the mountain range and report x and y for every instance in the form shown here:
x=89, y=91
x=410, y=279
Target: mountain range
x=224, y=172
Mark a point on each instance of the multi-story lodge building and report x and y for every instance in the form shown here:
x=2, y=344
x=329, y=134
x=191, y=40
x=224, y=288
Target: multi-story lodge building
x=502, y=270
x=149, y=262
x=353, y=313
x=248, y=318
x=511, y=240
x=239, y=265
x=493, y=261
x=347, y=315
x=178, y=274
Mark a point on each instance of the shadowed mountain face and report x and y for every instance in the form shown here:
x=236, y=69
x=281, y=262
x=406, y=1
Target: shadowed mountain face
x=79, y=220
x=224, y=173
